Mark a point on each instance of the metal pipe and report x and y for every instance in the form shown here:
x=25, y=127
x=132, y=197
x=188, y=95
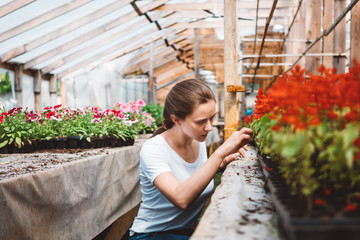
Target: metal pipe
x=294, y=55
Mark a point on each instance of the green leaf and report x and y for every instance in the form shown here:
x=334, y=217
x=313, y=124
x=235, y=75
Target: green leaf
x=18, y=141
x=3, y=144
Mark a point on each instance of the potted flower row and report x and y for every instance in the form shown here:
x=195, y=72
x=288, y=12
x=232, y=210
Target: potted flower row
x=308, y=133
x=58, y=127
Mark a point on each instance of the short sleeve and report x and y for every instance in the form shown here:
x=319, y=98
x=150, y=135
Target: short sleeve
x=154, y=159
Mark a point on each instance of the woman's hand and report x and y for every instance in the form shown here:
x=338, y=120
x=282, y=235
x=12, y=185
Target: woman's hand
x=232, y=157
x=234, y=143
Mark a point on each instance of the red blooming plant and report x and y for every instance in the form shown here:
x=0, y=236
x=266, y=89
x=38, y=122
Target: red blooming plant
x=311, y=127
x=18, y=127
x=13, y=128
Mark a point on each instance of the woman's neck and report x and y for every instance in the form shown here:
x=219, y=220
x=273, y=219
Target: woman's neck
x=177, y=139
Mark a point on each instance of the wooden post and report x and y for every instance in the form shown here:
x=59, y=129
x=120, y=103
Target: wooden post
x=63, y=93
x=197, y=53
x=231, y=49
x=152, y=88
x=355, y=34
x=312, y=26
x=328, y=40
x=19, y=72
x=53, y=90
x=298, y=32
x=339, y=37
x=37, y=90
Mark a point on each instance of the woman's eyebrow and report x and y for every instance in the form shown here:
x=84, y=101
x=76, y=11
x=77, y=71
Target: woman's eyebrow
x=201, y=119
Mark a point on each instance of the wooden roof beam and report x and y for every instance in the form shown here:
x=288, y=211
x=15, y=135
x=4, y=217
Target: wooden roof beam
x=79, y=40
x=13, y=6
x=42, y=18
x=210, y=6
x=63, y=30
x=83, y=51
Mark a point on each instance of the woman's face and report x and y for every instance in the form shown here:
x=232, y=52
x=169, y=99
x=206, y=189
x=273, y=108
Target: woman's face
x=198, y=124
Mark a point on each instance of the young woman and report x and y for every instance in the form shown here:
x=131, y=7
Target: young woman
x=175, y=173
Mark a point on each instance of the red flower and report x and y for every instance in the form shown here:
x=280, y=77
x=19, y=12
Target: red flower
x=320, y=202
x=57, y=106
x=327, y=191
x=1, y=119
x=50, y=114
x=350, y=207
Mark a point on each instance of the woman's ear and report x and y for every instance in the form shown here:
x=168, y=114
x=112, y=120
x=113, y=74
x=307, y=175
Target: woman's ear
x=175, y=119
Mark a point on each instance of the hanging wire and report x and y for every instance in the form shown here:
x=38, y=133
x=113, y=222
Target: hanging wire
x=263, y=41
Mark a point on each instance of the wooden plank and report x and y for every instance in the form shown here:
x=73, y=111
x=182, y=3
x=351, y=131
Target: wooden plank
x=219, y=22
x=220, y=5
x=19, y=84
x=53, y=90
x=81, y=39
x=231, y=49
x=41, y=19
x=197, y=53
x=339, y=36
x=313, y=29
x=37, y=90
x=328, y=40
x=152, y=84
x=13, y=6
x=355, y=34
x=63, y=30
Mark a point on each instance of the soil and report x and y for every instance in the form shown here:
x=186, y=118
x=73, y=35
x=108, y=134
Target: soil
x=12, y=165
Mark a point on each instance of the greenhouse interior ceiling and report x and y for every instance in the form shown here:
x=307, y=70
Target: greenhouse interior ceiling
x=168, y=40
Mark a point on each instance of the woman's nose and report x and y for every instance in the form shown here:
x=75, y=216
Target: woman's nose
x=208, y=126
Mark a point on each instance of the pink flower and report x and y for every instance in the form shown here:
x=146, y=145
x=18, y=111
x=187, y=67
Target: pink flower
x=140, y=103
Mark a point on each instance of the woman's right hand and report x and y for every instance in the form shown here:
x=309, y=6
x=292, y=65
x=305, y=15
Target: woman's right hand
x=235, y=142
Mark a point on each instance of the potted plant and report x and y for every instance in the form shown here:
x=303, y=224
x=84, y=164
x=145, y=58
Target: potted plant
x=308, y=131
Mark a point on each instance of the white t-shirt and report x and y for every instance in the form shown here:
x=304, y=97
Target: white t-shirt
x=156, y=212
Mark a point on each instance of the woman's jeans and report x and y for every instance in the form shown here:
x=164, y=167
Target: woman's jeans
x=159, y=236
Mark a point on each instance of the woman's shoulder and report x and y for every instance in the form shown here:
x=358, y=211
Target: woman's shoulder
x=154, y=143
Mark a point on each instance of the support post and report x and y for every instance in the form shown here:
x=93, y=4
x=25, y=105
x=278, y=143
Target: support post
x=53, y=90
x=231, y=49
x=19, y=73
x=37, y=90
x=298, y=32
x=339, y=36
x=152, y=87
x=312, y=26
x=355, y=34
x=328, y=40
x=197, y=53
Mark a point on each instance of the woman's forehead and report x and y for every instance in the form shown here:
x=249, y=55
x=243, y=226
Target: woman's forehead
x=207, y=109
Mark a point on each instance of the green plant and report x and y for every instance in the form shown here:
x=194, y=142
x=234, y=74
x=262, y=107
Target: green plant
x=311, y=130
x=5, y=83
x=156, y=111
x=14, y=129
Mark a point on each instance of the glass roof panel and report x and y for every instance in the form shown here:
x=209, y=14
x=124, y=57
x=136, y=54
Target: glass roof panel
x=70, y=36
